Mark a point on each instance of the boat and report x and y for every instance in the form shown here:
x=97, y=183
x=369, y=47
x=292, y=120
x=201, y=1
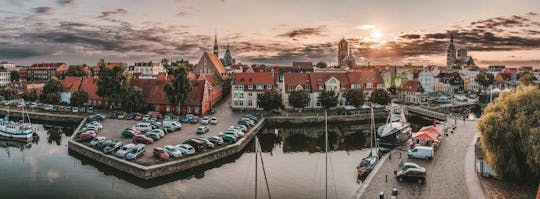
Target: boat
x=394, y=133
x=16, y=130
x=368, y=163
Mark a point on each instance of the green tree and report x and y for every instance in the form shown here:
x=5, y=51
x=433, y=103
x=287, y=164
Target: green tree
x=52, y=98
x=134, y=100
x=328, y=99
x=355, y=97
x=527, y=79
x=321, y=65
x=112, y=82
x=77, y=71
x=78, y=98
x=31, y=96
x=269, y=100
x=7, y=93
x=14, y=76
x=53, y=86
x=178, y=89
x=380, y=96
x=484, y=79
x=510, y=134
x=299, y=99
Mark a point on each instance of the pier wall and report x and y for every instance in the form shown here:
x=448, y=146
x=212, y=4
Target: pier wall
x=48, y=117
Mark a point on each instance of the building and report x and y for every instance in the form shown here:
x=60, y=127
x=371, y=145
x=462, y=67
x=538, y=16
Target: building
x=227, y=60
x=109, y=65
x=427, y=80
x=462, y=59
x=449, y=82
x=146, y=69
x=8, y=66
x=5, y=78
x=246, y=87
x=45, y=71
x=71, y=85
x=345, y=58
x=451, y=52
x=22, y=87
x=210, y=64
x=412, y=92
x=471, y=74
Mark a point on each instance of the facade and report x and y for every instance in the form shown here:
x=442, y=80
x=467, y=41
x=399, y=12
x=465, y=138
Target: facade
x=22, y=87
x=45, y=71
x=246, y=87
x=71, y=85
x=461, y=60
x=449, y=82
x=146, y=69
x=471, y=74
x=227, y=60
x=412, y=92
x=345, y=58
x=427, y=80
x=210, y=64
x=5, y=78
x=8, y=66
x=451, y=52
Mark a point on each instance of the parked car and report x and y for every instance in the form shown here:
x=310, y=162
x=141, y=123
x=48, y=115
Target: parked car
x=216, y=140
x=172, y=125
x=75, y=110
x=138, y=117
x=197, y=144
x=173, y=151
x=160, y=132
x=142, y=139
x=206, y=142
x=229, y=139
x=61, y=109
x=194, y=120
x=412, y=174
x=96, y=140
x=211, y=111
x=143, y=127
x=90, y=110
x=160, y=153
x=68, y=109
x=131, y=116
x=121, y=116
x=238, y=132
x=82, y=110
x=100, y=145
x=129, y=133
x=109, y=148
x=408, y=165
x=425, y=152
x=156, y=114
x=145, y=118
x=186, y=149
x=231, y=133
x=205, y=120
x=136, y=152
x=87, y=135
x=214, y=120
x=154, y=135
x=202, y=129
x=121, y=153
x=186, y=118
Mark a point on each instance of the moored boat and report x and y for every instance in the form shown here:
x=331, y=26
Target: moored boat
x=15, y=130
x=394, y=133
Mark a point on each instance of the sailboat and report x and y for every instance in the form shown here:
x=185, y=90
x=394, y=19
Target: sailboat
x=395, y=132
x=16, y=130
x=368, y=162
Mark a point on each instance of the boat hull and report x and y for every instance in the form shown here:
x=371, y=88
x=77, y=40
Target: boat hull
x=22, y=136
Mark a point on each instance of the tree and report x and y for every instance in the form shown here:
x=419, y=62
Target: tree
x=380, y=96
x=269, y=100
x=484, y=79
x=355, y=97
x=527, y=79
x=53, y=86
x=510, y=134
x=178, y=89
x=299, y=99
x=77, y=71
x=7, y=93
x=321, y=65
x=14, y=76
x=328, y=99
x=52, y=98
x=112, y=82
x=31, y=96
x=78, y=98
x=134, y=100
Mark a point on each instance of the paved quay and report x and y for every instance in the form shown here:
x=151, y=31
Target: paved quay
x=447, y=175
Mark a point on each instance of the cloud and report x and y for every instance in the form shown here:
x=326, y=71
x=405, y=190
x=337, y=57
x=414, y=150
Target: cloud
x=107, y=14
x=410, y=36
x=184, y=13
x=67, y=2
x=43, y=10
x=304, y=32
x=365, y=27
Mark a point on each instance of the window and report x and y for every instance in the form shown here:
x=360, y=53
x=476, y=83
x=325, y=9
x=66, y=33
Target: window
x=250, y=103
x=236, y=102
x=250, y=87
x=308, y=88
x=321, y=87
x=260, y=87
x=241, y=95
x=241, y=87
x=369, y=85
x=333, y=81
x=241, y=103
x=269, y=87
x=250, y=94
x=235, y=95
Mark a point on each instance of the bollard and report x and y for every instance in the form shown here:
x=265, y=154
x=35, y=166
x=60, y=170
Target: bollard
x=399, y=155
x=385, y=178
x=381, y=195
x=394, y=192
x=390, y=155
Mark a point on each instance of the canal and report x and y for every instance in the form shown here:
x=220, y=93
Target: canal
x=294, y=161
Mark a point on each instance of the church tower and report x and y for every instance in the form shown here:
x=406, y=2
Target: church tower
x=228, y=58
x=343, y=46
x=216, y=48
x=451, y=52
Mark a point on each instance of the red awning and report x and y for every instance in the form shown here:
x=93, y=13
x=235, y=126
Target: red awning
x=425, y=136
x=431, y=129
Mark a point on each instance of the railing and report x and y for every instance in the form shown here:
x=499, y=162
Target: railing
x=426, y=112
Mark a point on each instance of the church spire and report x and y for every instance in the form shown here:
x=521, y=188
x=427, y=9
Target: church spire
x=451, y=37
x=216, y=48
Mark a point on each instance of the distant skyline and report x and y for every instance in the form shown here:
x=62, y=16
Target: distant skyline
x=269, y=32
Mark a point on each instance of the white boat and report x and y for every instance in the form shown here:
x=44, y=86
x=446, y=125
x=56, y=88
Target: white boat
x=394, y=133
x=16, y=130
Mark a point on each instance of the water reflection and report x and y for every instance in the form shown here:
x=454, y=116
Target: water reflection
x=55, y=133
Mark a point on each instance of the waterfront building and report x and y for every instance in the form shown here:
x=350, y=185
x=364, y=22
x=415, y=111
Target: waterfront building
x=8, y=66
x=412, y=92
x=449, y=82
x=471, y=74
x=45, y=71
x=345, y=56
x=247, y=86
x=5, y=78
x=22, y=87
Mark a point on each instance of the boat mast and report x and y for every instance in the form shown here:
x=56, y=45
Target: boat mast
x=256, y=165
x=326, y=150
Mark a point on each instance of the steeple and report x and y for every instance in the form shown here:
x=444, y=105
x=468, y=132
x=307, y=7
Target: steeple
x=216, y=48
x=227, y=59
x=451, y=37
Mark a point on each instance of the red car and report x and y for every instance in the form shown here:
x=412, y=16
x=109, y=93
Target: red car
x=134, y=130
x=155, y=113
x=160, y=153
x=142, y=139
x=138, y=117
x=88, y=135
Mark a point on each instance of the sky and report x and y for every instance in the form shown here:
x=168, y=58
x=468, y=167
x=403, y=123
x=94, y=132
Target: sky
x=269, y=31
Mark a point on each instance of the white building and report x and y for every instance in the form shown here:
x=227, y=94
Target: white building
x=4, y=78
x=427, y=80
x=8, y=66
x=247, y=86
x=473, y=85
x=146, y=69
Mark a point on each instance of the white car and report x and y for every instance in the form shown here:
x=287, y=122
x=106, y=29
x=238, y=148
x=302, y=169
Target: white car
x=144, y=127
x=75, y=110
x=205, y=120
x=216, y=140
x=172, y=125
x=240, y=133
x=425, y=152
x=96, y=140
x=186, y=149
x=231, y=133
x=121, y=153
x=213, y=120
x=173, y=151
x=160, y=132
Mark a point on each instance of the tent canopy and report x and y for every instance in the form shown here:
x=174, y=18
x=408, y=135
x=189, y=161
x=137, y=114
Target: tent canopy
x=425, y=136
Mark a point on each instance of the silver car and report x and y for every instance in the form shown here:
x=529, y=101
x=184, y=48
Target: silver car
x=121, y=153
x=173, y=151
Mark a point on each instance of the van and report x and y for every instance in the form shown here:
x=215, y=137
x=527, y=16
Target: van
x=172, y=125
x=425, y=152
x=144, y=127
x=136, y=152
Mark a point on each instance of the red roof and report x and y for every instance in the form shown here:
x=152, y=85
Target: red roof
x=425, y=136
x=320, y=78
x=411, y=85
x=295, y=79
x=303, y=65
x=89, y=85
x=365, y=76
x=71, y=84
x=253, y=78
x=152, y=90
x=215, y=62
x=431, y=129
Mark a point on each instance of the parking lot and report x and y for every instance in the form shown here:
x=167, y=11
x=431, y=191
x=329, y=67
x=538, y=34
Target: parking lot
x=112, y=129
